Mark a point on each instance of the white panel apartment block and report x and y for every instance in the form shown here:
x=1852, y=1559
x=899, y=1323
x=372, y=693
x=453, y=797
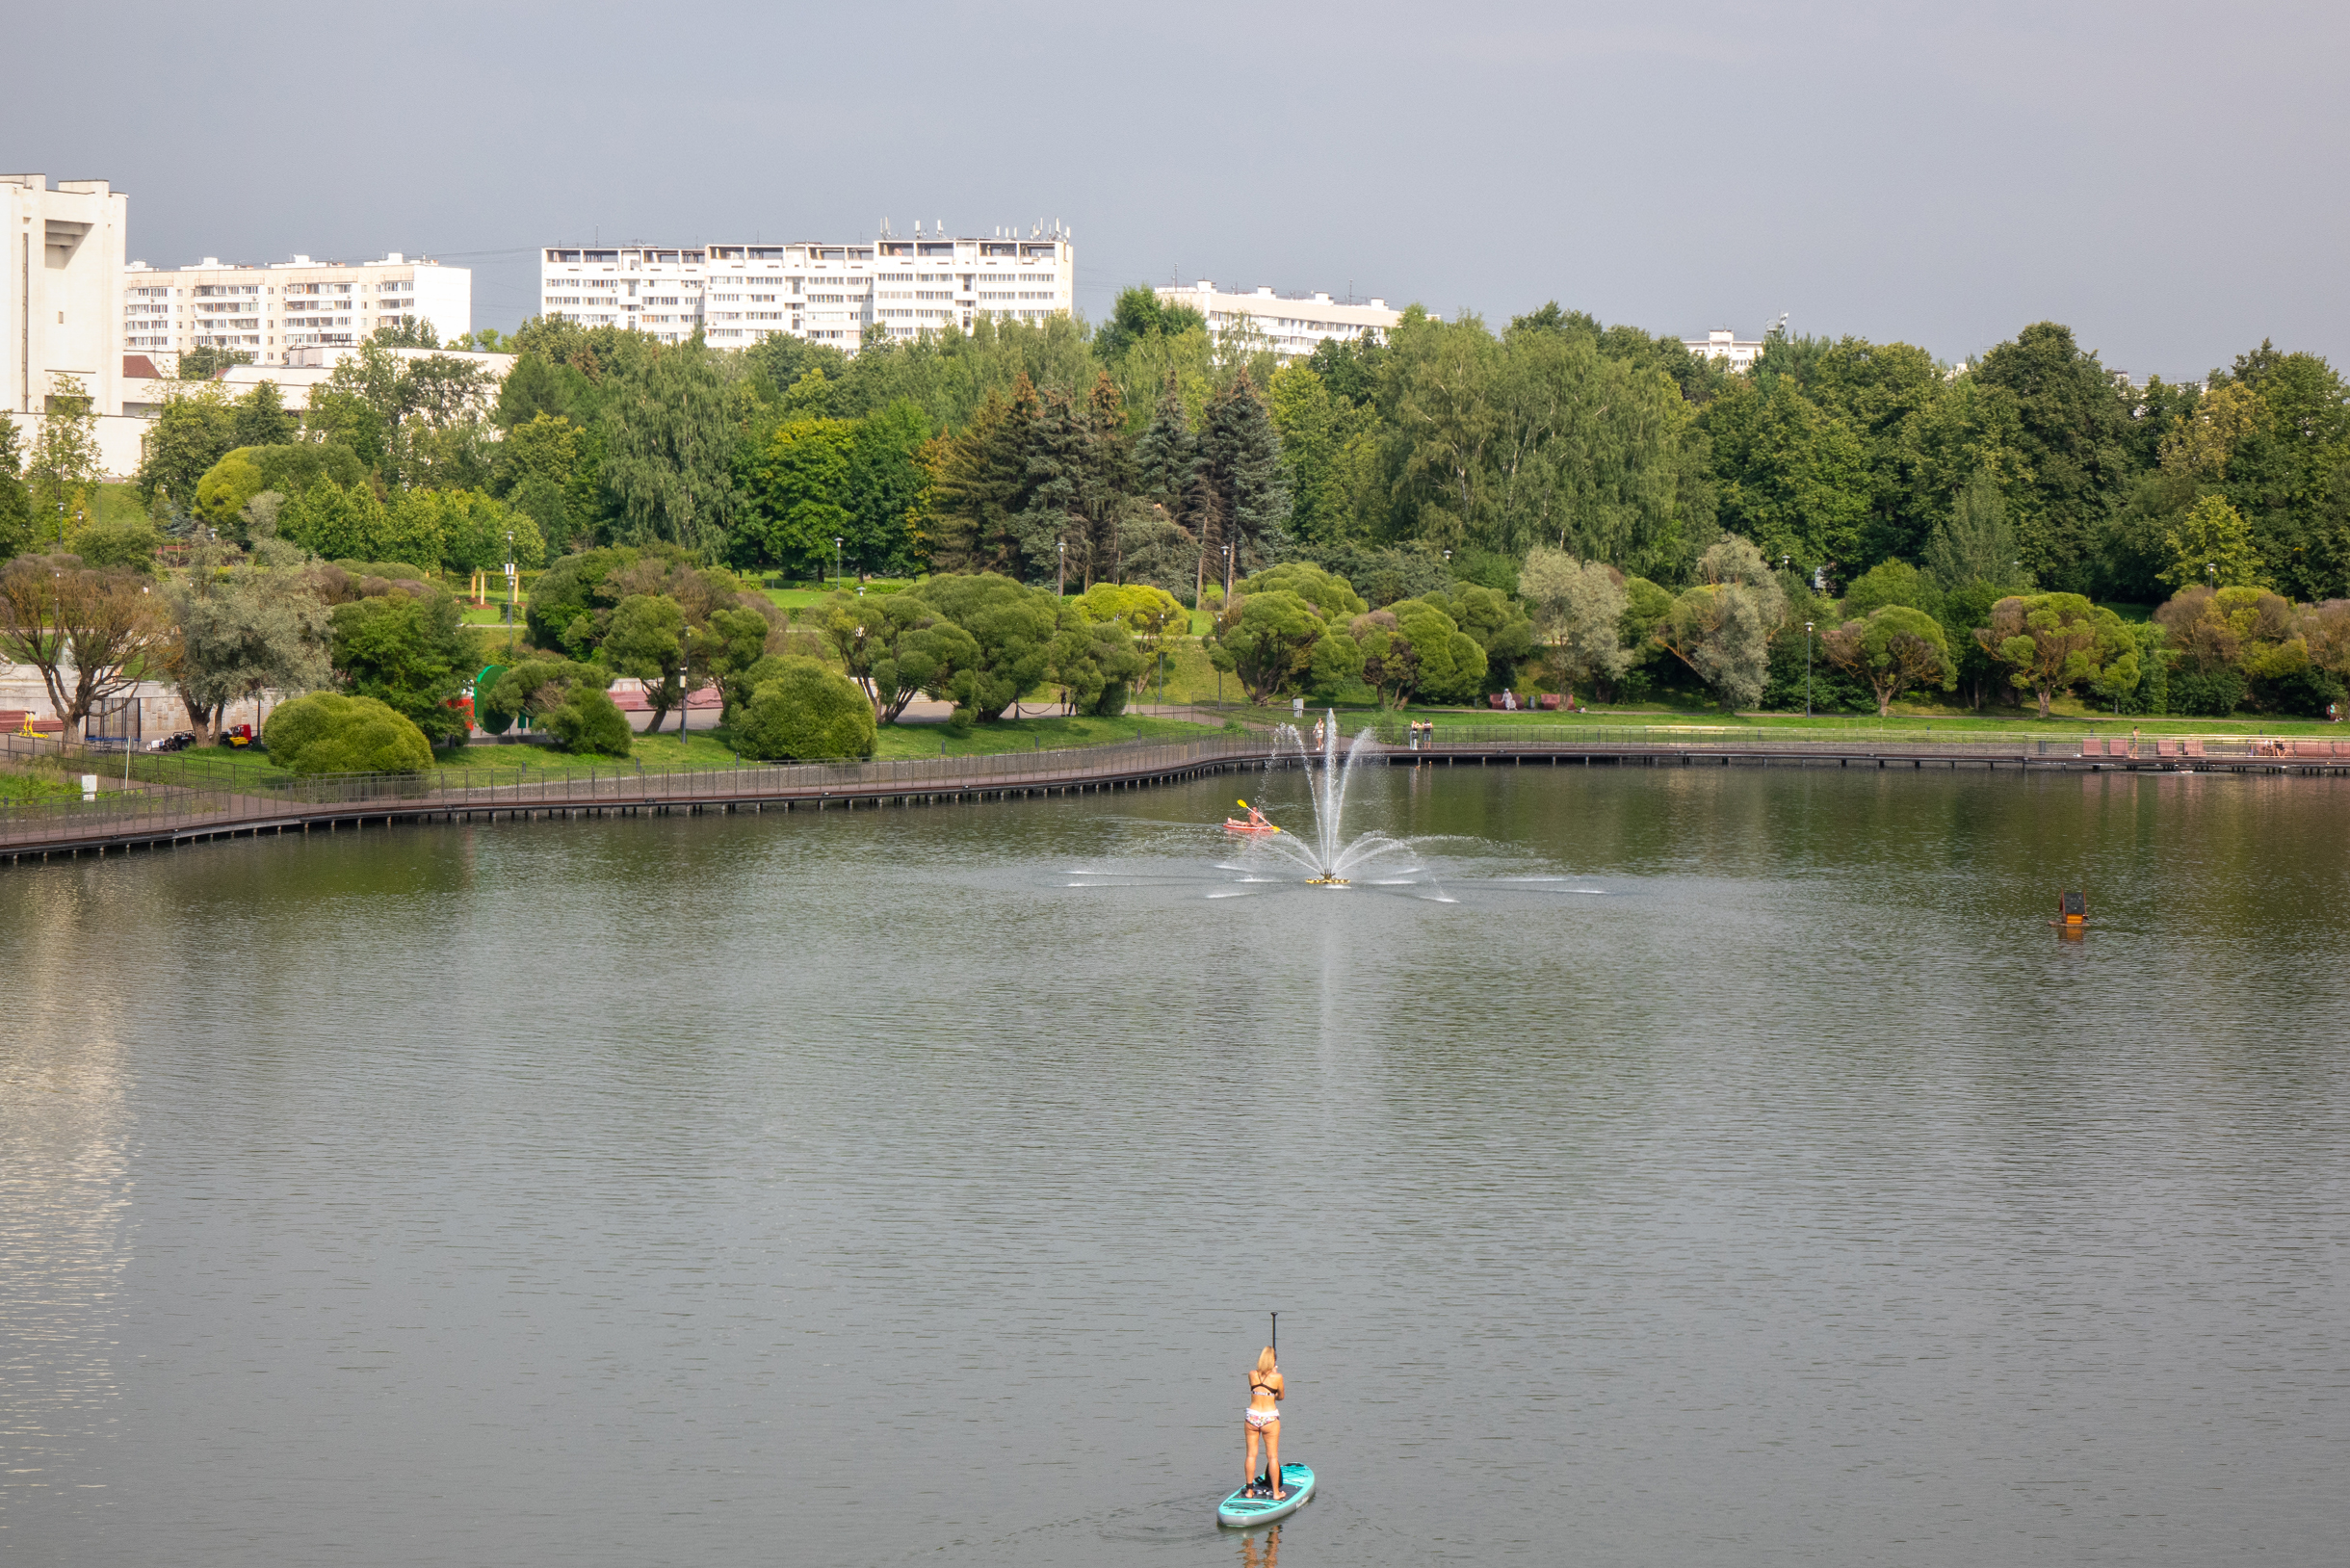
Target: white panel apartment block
x=1295, y=325
x=738, y=294
x=300, y=303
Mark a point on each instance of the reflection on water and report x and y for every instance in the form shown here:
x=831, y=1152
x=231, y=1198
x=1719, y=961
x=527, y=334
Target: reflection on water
x=1739, y=1171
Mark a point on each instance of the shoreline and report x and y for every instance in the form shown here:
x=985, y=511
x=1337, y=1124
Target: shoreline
x=170, y=816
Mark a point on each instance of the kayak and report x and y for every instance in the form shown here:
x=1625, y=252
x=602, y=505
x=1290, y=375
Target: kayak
x=1233, y=824
x=1242, y=1513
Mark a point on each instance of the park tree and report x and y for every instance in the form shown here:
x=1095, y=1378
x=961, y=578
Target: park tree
x=894, y=646
x=1267, y=639
x=2212, y=544
x=647, y=641
x=883, y=490
x=90, y=634
x=2070, y=440
x=404, y=649
x=795, y=490
x=669, y=452
x=1722, y=627
x=1975, y=543
x=1094, y=663
x=1894, y=648
x=15, y=501
x=1237, y=479
x=206, y=362
x=63, y=464
x=191, y=432
x=338, y=524
x=259, y=419
x=1154, y=618
x=1445, y=663
x=979, y=485
x=1789, y=476
x=566, y=698
x=1577, y=612
x=2050, y=642
x=327, y=732
x=1010, y=626
x=802, y=710
x=1386, y=659
x=225, y=487
x=242, y=624
x=541, y=459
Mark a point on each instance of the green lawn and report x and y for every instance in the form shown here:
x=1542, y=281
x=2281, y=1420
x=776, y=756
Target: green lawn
x=248, y=768
x=1030, y=734
x=27, y=788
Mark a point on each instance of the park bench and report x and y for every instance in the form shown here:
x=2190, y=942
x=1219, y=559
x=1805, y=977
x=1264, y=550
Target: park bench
x=2191, y=746
x=2166, y=748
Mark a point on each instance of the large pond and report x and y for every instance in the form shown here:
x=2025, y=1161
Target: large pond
x=1703, y=1168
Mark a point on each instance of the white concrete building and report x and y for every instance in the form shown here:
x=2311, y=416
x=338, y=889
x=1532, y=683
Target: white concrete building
x=1294, y=323
x=1722, y=343
x=268, y=310
x=738, y=294
x=58, y=309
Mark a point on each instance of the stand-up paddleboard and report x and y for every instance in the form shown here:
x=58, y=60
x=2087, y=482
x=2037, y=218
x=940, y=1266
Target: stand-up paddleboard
x=1242, y=1511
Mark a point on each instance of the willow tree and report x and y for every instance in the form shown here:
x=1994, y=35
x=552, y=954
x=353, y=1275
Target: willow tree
x=668, y=454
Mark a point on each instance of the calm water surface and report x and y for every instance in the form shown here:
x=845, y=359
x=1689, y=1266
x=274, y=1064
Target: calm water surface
x=1770, y=1185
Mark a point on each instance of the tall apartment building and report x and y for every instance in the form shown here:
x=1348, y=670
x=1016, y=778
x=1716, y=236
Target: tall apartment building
x=1294, y=323
x=267, y=310
x=738, y=294
x=57, y=306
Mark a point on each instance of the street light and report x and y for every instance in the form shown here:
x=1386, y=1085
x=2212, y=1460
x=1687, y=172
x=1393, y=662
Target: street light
x=836, y=560
x=1060, y=581
x=1806, y=669
x=685, y=696
x=2211, y=570
x=1228, y=574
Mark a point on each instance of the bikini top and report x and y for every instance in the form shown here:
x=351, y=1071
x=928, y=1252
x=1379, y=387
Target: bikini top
x=1255, y=1387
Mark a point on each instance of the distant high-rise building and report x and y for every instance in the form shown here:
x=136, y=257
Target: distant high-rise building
x=738, y=294
x=267, y=310
x=1295, y=325
x=1722, y=343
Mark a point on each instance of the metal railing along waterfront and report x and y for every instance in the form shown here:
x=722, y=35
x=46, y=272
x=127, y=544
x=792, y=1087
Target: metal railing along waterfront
x=205, y=795
x=1860, y=740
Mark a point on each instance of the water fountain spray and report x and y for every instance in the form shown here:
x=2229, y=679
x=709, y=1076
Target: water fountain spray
x=1325, y=853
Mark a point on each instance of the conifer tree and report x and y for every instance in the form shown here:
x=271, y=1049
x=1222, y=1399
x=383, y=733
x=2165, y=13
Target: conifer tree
x=1240, y=484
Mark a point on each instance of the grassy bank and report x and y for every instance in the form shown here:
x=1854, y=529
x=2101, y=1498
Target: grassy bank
x=250, y=769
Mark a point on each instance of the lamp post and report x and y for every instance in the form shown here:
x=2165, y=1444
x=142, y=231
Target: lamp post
x=836, y=562
x=684, y=696
x=1061, y=578
x=2211, y=570
x=1806, y=669
x=1228, y=574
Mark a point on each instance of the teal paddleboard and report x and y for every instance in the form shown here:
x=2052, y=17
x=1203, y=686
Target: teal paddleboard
x=1242, y=1511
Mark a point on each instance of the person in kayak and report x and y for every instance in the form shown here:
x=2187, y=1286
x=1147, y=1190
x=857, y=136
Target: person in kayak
x=1263, y=1419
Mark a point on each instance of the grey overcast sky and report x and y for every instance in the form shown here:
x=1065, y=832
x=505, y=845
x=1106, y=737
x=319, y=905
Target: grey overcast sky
x=2164, y=176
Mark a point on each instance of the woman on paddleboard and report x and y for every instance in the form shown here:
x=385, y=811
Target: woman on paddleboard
x=1263, y=1419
